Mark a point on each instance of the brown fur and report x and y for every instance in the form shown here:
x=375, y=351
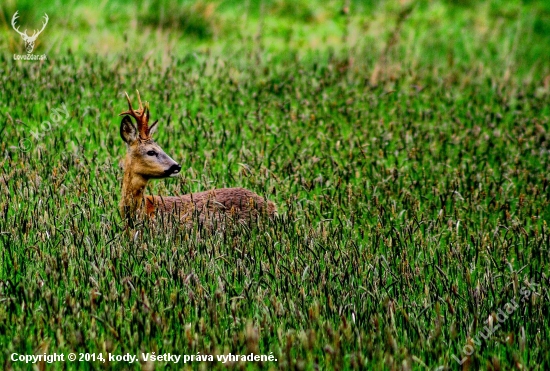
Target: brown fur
x=145, y=160
x=237, y=203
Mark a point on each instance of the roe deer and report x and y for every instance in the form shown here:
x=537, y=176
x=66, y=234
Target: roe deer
x=145, y=160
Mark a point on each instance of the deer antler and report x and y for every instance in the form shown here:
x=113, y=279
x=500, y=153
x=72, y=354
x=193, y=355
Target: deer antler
x=13, y=20
x=141, y=115
x=35, y=34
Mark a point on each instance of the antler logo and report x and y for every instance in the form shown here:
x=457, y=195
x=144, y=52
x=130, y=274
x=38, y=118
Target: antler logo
x=29, y=40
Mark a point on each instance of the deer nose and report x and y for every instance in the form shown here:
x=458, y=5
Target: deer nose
x=174, y=169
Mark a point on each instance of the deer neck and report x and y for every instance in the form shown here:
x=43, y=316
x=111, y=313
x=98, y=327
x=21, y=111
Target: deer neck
x=133, y=187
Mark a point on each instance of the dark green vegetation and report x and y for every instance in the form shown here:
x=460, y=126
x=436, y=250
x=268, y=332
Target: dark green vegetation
x=408, y=149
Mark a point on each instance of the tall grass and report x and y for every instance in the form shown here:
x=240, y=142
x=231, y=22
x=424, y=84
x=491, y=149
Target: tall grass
x=412, y=180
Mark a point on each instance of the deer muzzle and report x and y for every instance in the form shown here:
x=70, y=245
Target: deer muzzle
x=174, y=170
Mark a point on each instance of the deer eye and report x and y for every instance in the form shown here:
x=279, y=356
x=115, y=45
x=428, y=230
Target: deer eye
x=152, y=153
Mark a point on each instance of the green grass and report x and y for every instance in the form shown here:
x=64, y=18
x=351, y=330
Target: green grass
x=409, y=158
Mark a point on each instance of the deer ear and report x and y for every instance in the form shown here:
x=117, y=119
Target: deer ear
x=153, y=127
x=128, y=131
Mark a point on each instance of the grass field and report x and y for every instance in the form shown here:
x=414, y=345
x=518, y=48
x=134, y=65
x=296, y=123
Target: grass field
x=406, y=144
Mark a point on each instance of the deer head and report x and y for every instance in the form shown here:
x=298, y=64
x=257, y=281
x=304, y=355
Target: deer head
x=144, y=158
x=29, y=40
